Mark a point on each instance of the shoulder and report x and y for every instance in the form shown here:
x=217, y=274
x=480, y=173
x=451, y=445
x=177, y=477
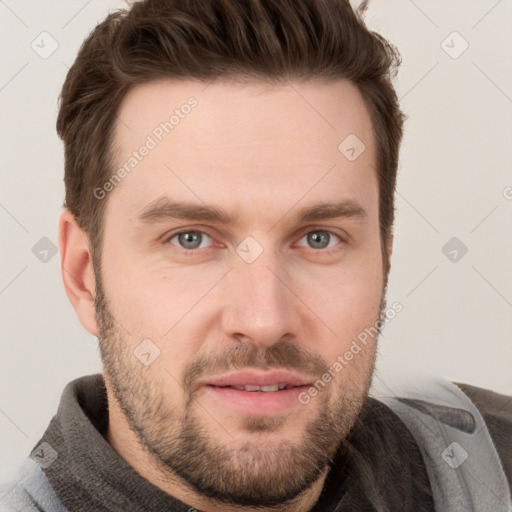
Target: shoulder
x=29, y=490
x=469, y=428
x=496, y=410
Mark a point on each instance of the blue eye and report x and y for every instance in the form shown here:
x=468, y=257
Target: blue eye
x=190, y=240
x=320, y=239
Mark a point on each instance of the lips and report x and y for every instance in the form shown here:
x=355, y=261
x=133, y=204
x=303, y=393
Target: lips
x=258, y=393
x=253, y=380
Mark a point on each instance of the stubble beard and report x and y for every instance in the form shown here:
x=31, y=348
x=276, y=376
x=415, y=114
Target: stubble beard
x=267, y=472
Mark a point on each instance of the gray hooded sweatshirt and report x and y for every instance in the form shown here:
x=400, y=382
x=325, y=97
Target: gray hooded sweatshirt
x=439, y=446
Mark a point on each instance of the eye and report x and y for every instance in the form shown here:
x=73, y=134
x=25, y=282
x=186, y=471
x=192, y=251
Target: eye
x=189, y=240
x=192, y=240
x=320, y=239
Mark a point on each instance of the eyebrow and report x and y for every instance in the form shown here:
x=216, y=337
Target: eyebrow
x=164, y=208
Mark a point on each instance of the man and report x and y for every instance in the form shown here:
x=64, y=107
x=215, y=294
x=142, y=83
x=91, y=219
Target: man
x=227, y=233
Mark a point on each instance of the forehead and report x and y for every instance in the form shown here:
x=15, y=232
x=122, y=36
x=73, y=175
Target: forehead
x=227, y=142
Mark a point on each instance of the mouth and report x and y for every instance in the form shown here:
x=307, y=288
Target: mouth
x=257, y=402
x=272, y=388
x=258, y=393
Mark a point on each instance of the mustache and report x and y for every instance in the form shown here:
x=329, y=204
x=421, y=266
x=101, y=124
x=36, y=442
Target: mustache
x=282, y=354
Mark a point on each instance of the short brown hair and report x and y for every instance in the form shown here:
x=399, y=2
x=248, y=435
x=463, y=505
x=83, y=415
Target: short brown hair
x=269, y=40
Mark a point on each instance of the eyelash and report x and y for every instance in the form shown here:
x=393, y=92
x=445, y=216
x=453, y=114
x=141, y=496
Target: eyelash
x=193, y=252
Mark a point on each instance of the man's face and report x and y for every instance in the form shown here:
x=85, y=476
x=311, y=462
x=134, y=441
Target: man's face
x=266, y=292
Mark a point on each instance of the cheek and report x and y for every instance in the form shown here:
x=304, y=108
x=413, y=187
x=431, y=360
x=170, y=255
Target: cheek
x=168, y=307
x=145, y=297
x=348, y=303
x=346, y=297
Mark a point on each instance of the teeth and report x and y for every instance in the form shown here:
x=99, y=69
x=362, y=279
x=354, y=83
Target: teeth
x=273, y=387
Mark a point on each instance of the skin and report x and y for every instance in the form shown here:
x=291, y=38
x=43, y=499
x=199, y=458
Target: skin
x=261, y=152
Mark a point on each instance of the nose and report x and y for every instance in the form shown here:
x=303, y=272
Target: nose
x=260, y=304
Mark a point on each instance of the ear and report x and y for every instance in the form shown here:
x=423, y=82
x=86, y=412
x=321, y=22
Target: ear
x=77, y=271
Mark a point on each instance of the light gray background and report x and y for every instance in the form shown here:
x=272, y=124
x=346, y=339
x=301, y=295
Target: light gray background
x=454, y=181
